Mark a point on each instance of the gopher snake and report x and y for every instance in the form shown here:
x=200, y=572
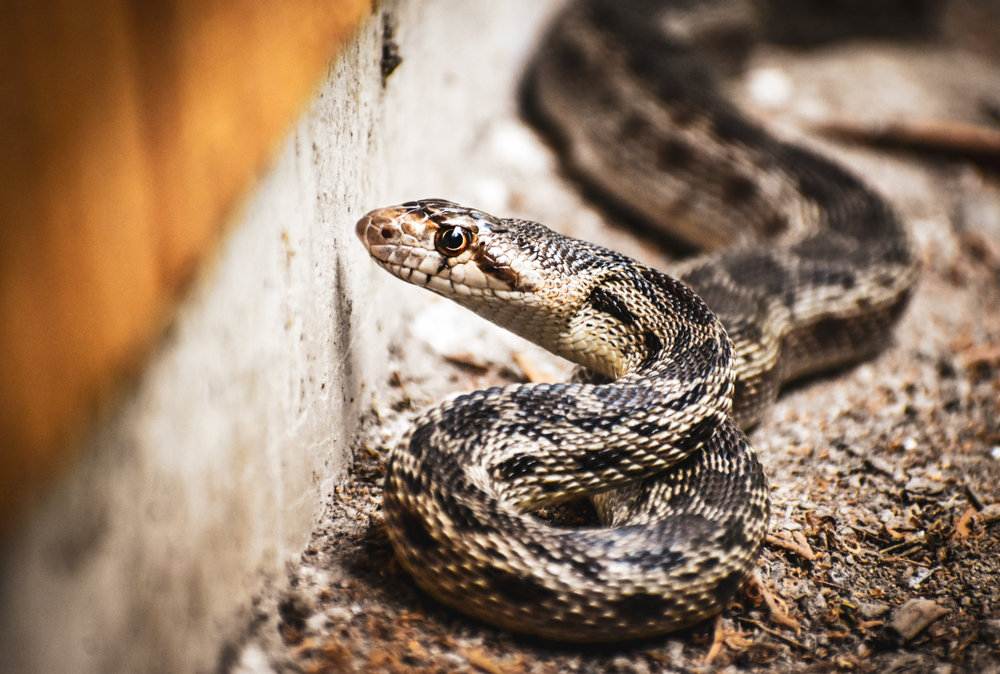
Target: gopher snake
x=651, y=431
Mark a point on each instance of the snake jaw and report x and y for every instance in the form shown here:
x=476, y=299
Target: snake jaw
x=407, y=240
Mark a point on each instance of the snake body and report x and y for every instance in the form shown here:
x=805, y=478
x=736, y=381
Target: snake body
x=652, y=432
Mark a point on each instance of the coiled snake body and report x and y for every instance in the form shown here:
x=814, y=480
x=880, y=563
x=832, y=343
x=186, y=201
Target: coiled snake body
x=652, y=433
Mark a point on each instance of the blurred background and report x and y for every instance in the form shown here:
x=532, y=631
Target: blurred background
x=188, y=346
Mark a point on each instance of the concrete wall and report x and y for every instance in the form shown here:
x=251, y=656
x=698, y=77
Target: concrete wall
x=208, y=474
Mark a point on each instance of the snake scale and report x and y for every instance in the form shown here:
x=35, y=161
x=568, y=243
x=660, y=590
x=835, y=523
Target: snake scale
x=650, y=430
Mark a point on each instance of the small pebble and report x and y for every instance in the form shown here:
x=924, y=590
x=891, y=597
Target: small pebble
x=911, y=619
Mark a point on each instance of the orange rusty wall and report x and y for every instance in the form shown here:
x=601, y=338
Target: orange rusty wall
x=128, y=131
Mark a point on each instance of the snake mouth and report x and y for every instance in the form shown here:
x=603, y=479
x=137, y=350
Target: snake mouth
x=401, y=240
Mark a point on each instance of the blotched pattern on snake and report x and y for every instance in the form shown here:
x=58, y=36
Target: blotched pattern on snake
x=651, y=430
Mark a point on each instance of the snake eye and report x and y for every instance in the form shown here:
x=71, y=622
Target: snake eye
x=452, y=241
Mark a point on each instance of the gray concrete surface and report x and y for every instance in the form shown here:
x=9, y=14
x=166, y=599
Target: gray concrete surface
x=207, y=476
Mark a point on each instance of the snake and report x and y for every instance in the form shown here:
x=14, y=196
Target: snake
x=804, y=268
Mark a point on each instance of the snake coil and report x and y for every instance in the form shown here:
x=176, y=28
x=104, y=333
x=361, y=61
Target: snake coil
x=652, y=433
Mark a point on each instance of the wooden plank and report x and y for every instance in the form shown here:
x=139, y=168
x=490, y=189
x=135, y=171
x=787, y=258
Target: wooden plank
x=128, y=132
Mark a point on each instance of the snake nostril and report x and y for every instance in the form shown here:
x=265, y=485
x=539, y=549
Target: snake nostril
x=386, y=232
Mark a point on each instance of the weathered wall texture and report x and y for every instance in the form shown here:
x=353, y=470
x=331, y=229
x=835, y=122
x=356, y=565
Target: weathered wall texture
x=128, y=131
x=208, y=473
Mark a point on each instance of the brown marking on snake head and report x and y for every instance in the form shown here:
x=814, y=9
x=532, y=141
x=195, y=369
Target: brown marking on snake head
x=416, y=227
x=491, y=267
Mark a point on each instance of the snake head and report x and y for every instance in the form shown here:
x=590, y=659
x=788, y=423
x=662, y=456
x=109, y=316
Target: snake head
x=577, y=300
x=450, y=249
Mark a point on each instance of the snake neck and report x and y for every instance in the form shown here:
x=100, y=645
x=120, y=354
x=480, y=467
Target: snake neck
x=590, y=305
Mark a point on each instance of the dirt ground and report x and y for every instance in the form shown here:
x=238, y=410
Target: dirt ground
x=884, y=545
